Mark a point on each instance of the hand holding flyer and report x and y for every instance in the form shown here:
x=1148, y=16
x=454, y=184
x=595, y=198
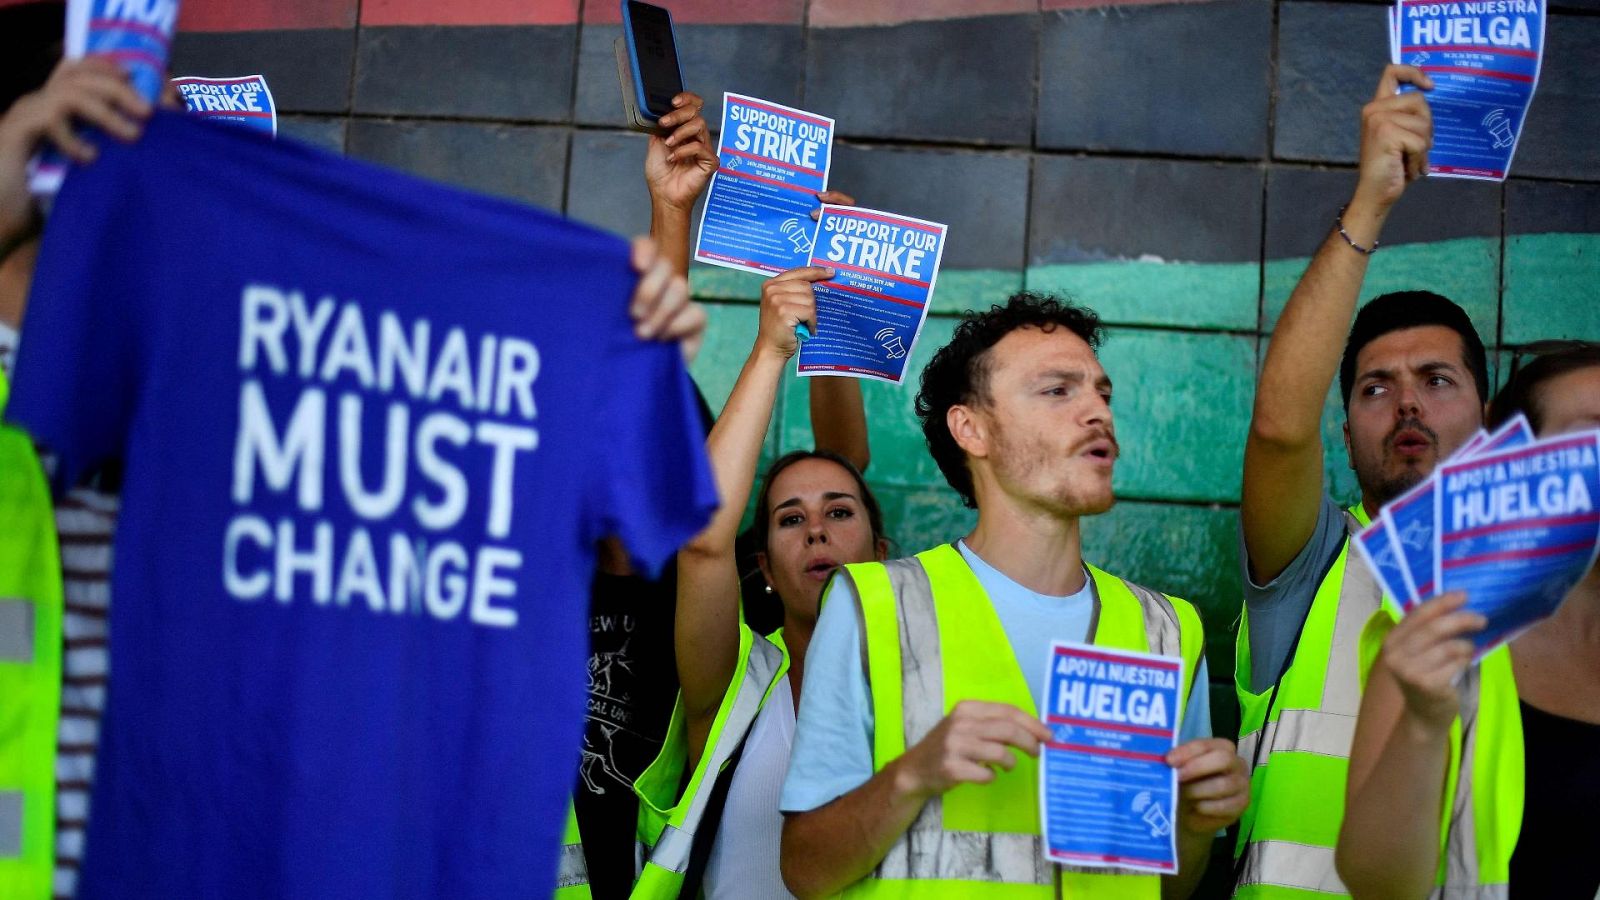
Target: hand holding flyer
x=1509, y=520
x=1107, y=796
x=1484, y=58
x=870, y=313
x=773, y=161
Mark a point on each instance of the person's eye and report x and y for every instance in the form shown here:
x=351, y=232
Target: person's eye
x=1439, y=381
x=1373, y=390
x=791, y=519
x=1106, y=396
x=1057, y=391
x=841, y=512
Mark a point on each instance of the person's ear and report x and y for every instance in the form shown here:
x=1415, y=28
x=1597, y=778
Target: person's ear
x=969, y=428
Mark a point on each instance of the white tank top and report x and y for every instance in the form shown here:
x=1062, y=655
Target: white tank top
x=744, y=858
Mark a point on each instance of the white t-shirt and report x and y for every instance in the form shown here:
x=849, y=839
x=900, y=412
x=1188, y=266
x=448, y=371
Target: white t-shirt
x=744, y=858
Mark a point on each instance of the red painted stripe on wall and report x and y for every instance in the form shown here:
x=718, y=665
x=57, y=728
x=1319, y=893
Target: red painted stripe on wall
x=469, y=12
x=706, y=12
x=854, y=13
x=265, y=15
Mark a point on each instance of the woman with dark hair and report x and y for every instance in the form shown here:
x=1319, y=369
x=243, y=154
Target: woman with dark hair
x=1480, y=781
x=735, y=717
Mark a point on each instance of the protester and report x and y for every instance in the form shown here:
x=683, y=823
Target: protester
x=1413, y=379
x=1491, y=767
x=813, y=513
x=1016, y=412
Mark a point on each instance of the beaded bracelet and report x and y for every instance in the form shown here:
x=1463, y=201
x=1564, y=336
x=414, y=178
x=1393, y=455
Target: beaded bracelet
x=1338, y=222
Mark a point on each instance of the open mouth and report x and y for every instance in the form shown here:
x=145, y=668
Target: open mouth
x=820, y=569
x=1102, y=450
x=1411, y=443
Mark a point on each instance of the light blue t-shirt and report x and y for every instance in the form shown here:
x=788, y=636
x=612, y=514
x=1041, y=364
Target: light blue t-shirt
x=832, y=752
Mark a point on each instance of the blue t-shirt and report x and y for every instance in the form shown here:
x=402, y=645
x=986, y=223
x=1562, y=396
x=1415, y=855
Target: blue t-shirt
x=832, y=752
x=373, y=429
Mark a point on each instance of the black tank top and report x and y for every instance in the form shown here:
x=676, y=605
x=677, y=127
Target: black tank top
x=1558, y=852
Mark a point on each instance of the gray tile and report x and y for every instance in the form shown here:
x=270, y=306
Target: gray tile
x=522, y=162
x=1329, y=58
x=1112, y=81
x=323, y=132
x=765, y=61
x=1562, y=131
x=952, y=80
x=605, y=185
x=521, y=72
x=307, y=70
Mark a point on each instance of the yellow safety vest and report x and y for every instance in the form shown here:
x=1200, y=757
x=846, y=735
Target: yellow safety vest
x=30, y=667
x=1296, y=739
x=1480, y=817
x=572, y=872
x=983, y=841
x=669, y=818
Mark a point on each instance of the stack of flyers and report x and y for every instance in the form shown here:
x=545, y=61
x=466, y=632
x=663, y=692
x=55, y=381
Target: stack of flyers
x=245, y=100
x=136, y=35
x=1508, y=519
x=1483, y=57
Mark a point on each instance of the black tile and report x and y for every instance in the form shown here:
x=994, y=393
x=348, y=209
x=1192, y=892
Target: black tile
x=307, y=71
x=765, y=61
x=324, y=132
x=981, y=195
x=1089, y=209
x=520, y=72
x=1302, y=203
x=1116, y=81
x=522, y=162
x=605, y=186
x=1330, y=56
x=1561, y=134
x=951, y=80
x=1546, y=207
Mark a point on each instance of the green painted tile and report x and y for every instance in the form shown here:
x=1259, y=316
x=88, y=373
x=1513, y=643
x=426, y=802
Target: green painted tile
x=716, y=283
x=1552, y=287
x=899, y=455
x=1186, y=551
x=730, y=332
x=958, y=290
x=1182, y=405
x=917, y=517
x=1158, y=292
x=1467, y=270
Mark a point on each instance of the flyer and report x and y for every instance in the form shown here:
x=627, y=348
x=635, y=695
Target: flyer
x=1106, y=794
x=1517, y=529
x=137, y=34
x=1484, y=58
x=871, y=311
x=1376, y=548
x=246, y=100
x=1410, y=521
x=772, y=162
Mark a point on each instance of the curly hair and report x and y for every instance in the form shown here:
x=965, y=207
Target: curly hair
x=959, y=372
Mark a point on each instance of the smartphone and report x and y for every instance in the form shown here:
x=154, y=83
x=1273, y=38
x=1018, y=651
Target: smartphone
x=653, y=59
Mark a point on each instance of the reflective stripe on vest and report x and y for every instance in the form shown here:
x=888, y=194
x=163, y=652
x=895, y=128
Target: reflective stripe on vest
x=30, y=667
x=1300, y=747
x=572, y=869
x=983, y=840
x=670, y=832
x=1480, y=824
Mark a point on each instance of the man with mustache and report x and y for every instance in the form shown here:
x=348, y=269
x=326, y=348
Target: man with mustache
x=1414, y=382
x=913, y=771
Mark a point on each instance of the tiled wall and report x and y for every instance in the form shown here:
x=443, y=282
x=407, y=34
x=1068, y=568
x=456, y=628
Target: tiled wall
x=1172, y=165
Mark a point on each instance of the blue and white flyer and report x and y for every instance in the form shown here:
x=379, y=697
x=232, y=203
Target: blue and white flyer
x=1107, y=797
x=871, y=311
x=1517, y=529
x=137, y=34
x=1484, y=58
x=1410, y=520
x=1378, y=551
x=772, y=162
x=245, y=100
